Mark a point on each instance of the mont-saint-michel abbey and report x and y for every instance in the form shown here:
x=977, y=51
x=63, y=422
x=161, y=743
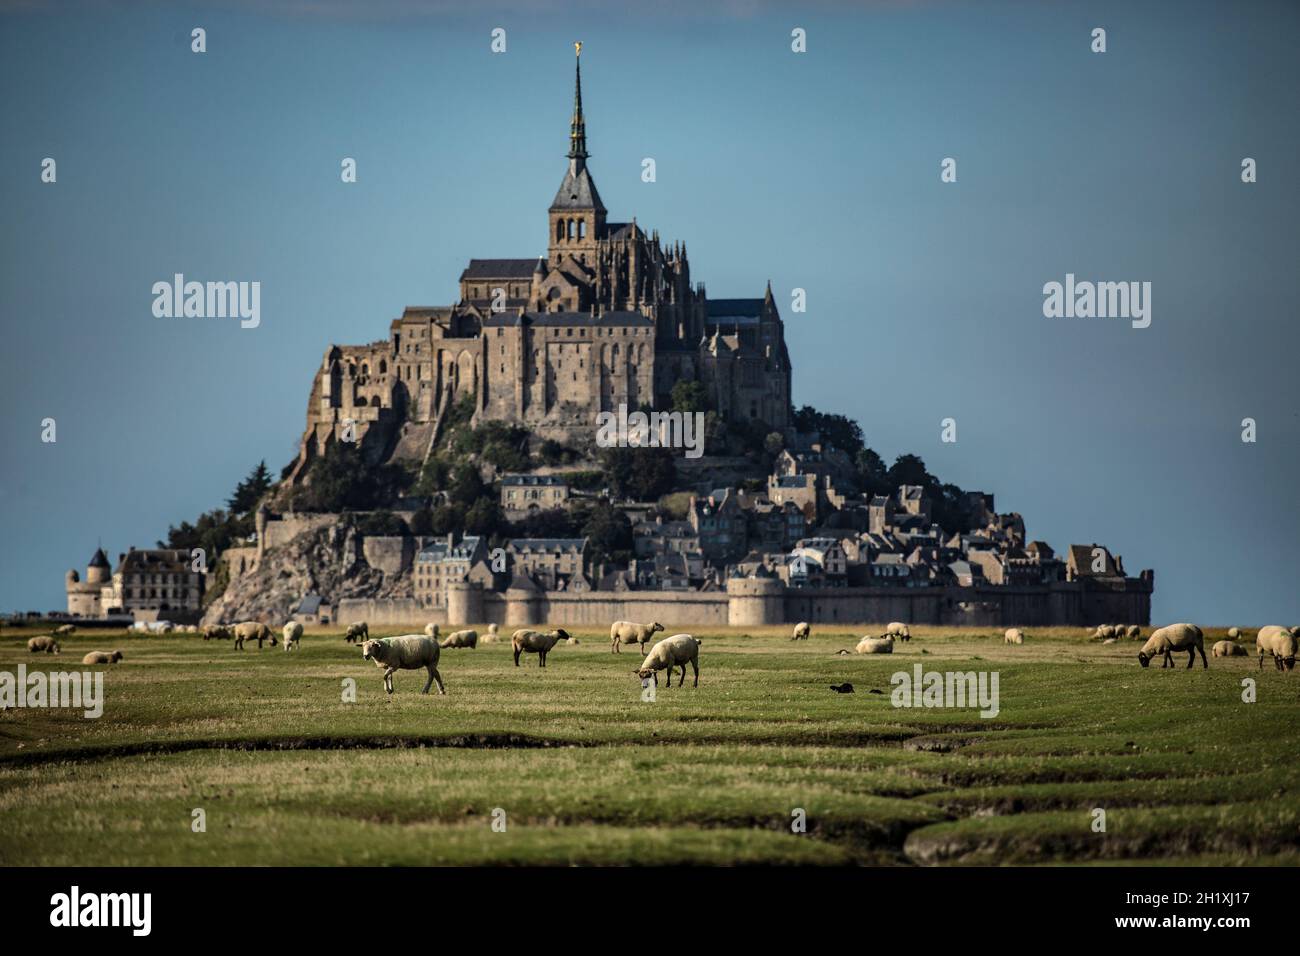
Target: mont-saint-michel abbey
x=608, y=316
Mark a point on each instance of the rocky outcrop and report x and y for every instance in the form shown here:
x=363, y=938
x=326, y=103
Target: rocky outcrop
x=328, y=561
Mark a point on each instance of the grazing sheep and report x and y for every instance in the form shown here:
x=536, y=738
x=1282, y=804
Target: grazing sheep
x=44, y=644
x=252, y=630
x=1013, y=636
x=1227, y=649
x=357, y=632
x=1133, y=632
x=535, y=642
x=1104, y=631
x=899, y=630
x=466, y=638
x=431, y=630
x=102, y=657
x=1234, y=633
x=1174, y=637
x=629, y=632
x=405, y=653
x=675, y=651
x=875, y=645
x=64, y=630
x=218, y=632
x=1280, y=642
x=292, y=634
x=801, y=631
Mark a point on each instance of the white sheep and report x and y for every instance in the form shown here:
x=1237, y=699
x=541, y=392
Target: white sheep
x=1133, y=632
x=214, y=632
x=102, y=657
x=1280, y=642
x=357, y=632
x=535, y=642
x=899, y=630
x=465, y=638
x=492, y=636
x=431, y=630
x=43, y=644
x=292, y=634
x=1104, y=631
x=675, y=651
x=252, y=630
x=629, y=632
x=1174, y=637
x=64, y=630
x=1235, y=634
x=801, y=631
x=875, y=645
x=406, y=652
x=1013, y=636
x=1227, y=649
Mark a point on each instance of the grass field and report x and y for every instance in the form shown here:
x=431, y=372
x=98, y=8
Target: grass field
x=286, y=772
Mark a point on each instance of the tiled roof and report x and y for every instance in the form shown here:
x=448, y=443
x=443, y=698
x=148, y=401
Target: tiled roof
x=499, y=269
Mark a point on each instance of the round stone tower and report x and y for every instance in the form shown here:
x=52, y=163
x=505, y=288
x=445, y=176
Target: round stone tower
x=754, y=602
x=523, y=607
x=464, y=603
x=98, y=571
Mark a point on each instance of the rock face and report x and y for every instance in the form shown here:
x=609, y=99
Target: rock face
x=327, y=561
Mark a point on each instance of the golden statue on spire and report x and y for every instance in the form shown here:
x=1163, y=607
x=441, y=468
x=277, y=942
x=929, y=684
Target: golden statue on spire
x=577, y=48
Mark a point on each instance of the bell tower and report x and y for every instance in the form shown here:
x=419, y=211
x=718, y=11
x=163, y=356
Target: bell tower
x=577, y=216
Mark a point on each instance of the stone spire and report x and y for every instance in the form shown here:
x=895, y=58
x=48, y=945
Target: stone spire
x=578, y=127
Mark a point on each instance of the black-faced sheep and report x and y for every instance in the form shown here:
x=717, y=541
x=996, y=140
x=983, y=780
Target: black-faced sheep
x=252, y=631
x=898, y=630
x=675, y=651
x=357, y=632
x=215, y=632
x=1280, y=642
x=1227, y=649
x=535, y=642
x=1013, y=636
x=1174, y=637
x=44, y=644
x=1133, y=632
x=629, y=632
x=465, y=638
x=405, y=653
x=801, y=631
x=292, y=634
x=102, y=657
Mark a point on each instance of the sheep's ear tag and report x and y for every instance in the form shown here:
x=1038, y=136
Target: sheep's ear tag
x=647, y=690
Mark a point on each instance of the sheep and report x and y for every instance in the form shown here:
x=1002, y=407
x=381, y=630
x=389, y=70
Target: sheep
x=675, y=651
x=1133, y=632
x=899, y=630
x=215, y=632
x=535, y=642
x=629, y=632
x=431, y=630
x=801, y=631
x=252, y=630
x=64, y=630
x=407, y=652
x=292, y=633
x=357, y=632
x=492, y=636
x=1013, y=636
x=1227, y=649
x=102, y=657
x=44, y=644
x=1234, y=633
x=466, y=638
x=1280, y=642
x=875, y=645
x=1174, y=637
x=1104, y=631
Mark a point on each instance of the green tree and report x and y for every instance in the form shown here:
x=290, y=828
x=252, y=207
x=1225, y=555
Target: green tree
x=688, y=396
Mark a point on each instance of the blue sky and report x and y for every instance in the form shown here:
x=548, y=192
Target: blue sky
x=818, y=171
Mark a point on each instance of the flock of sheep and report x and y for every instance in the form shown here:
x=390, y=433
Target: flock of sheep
x=416, y=651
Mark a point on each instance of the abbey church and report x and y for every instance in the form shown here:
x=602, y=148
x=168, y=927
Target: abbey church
x=608, y=316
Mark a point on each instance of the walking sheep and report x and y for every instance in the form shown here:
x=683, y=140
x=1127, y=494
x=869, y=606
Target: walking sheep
x=535, y=642
x=629, y=632
x=1174, y=637
x=801, y=631
x=252, y=630
x=1278, y=641
x=899, y=630
x=292, y=634
x=875, y=645
x=357, y=632
x=1013, y=636
x=675, y=651
x=466, y=638
x=102, y=657
x=1227, y=649
x=405, y=653
x=44, y=644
